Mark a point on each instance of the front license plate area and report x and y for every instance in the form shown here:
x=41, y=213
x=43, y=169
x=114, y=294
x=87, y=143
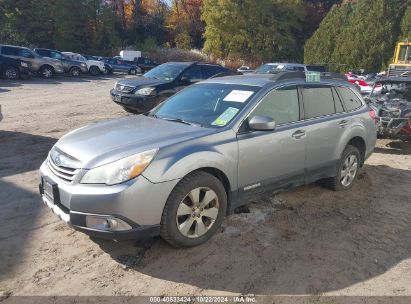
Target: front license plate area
x=117, y=98
x=51, y=190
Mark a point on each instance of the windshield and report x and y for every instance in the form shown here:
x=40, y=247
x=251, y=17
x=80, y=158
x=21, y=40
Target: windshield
x=392, y=90
x=168, y=71
x=266, y=68
x=208, y=104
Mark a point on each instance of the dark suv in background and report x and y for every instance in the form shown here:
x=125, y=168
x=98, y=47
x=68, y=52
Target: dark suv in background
x=14, y=69
x=73, y=67
x=143, y=93
x=119, y=65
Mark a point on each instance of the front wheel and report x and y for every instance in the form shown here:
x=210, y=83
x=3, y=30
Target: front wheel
x=194, y=211
x=132, y=72
x=75, y=72
x=46, y=72
x=347, y=170
x=94, y=71
x=12, y=73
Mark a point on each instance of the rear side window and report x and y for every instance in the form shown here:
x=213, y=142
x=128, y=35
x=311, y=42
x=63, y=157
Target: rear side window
x=11, y=51
x=281, y=105
x=351, y=101
x=318, y=101
x=209, y=71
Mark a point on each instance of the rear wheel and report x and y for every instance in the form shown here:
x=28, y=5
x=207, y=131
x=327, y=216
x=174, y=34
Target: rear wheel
x=12, y=73
x=347, y=170
x=75, y=71
x=194, y=211
x=132, y=72
x=94, y=71
x=46, y=71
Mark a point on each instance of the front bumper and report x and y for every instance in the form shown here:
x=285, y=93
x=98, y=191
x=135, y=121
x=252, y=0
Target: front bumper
x=138, y=103
x=136, y=205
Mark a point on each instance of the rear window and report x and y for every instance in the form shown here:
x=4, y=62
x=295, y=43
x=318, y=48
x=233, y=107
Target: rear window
x=318, y=101
x=351, y=100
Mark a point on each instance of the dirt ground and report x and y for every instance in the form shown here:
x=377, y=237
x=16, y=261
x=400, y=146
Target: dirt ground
x=305, y=241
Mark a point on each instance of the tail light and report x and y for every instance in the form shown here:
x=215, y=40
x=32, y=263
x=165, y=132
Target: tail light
x=372, y=113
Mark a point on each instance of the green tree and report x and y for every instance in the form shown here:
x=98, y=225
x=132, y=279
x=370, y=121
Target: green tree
x=262, y=30
x=358, y=34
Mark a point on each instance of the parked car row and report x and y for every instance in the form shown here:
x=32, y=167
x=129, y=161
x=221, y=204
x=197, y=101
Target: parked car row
x=47, y=62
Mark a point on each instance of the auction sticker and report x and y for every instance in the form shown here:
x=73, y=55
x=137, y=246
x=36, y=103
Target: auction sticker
x=225, y=117
x=238, y=96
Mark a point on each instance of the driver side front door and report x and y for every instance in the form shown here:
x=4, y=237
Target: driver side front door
x=270, y=160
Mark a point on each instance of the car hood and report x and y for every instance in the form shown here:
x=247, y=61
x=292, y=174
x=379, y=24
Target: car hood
x=105, y=142
x=142, y=81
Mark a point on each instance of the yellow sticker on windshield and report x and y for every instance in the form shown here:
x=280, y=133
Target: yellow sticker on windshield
x=225, y=117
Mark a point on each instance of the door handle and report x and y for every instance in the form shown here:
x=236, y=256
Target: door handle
x=343, y=123
x=298, y=134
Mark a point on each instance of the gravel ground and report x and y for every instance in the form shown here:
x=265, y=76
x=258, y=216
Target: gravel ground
x=305, y=241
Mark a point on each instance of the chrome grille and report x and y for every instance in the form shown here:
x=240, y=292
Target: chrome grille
x=124, y=88
x=63, y=173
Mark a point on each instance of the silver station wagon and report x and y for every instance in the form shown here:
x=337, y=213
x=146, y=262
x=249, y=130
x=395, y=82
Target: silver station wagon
x=179, y=169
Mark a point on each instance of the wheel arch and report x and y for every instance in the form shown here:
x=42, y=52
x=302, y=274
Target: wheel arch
x=47, y=65
x=359, y=143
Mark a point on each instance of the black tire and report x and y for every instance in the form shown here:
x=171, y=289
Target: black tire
x=168, y=228
x=132, y=72
x=75, y=72
x=94, y=70
x=335, y=183
x=109, y=71
x=12, y=73
x=46, y=71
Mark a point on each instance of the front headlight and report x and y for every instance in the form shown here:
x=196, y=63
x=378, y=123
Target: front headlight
x=145, y=91
x=115, y=85
x=83, y=65
x=121, y=170
x=24, y=64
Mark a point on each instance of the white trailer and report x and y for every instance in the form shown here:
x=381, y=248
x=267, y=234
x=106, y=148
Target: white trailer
x=130, y=55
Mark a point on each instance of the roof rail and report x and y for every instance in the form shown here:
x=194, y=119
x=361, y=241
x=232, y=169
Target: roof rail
x=283, y=75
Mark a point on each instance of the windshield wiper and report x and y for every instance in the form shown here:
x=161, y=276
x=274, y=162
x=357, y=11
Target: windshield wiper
x=177, y=120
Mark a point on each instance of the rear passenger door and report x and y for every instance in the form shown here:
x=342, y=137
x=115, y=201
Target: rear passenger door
x=325, y=125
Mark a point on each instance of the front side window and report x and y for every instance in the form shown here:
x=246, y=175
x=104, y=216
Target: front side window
x=25, y=53
x=56, y=55
x=281, y=105
x=350, y=100
x=193, y=73
x=318, y=101
x=208, y=104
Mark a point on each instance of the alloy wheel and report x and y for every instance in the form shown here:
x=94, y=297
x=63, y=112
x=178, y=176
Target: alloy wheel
x=11, y=74
x=197, y=212
x=349, y=170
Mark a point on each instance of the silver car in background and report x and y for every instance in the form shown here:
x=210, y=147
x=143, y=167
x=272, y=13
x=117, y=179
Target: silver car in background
x=178, y=170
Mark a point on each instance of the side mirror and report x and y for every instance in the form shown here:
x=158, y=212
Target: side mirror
x=261, y=123
x=367, y=99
